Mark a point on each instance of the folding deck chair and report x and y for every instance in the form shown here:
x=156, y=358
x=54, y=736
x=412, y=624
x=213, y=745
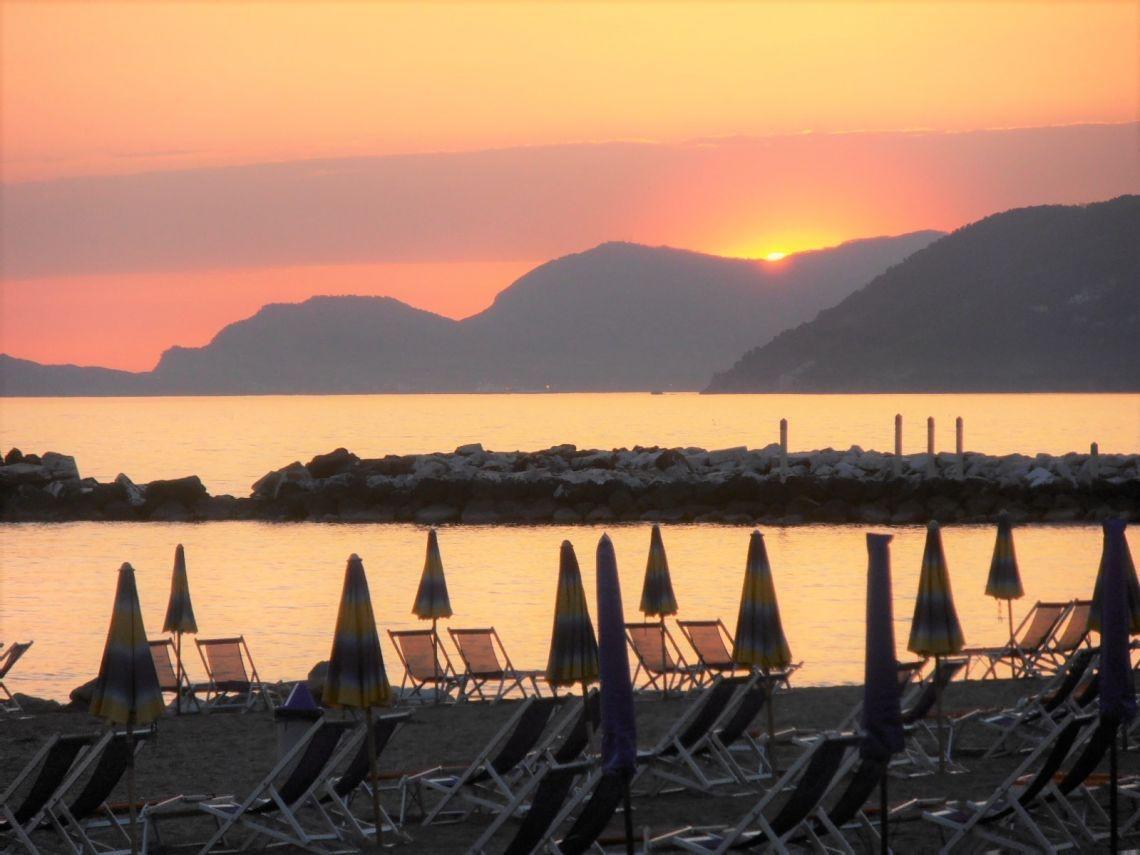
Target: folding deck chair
x=486, y=663
x=55, y=766
x=168, y=682
x=712, y=642
x=846, y=814
x=917, y=725
x=1019, y=802
x=8, y=660
x=660, y=660
x=806, y=783
x=231, y=685
x=1030, y=638
x=488, y=781
x=732, y=736
x=1070, y=637
x=273, y=809
x=426, y=663
x=906, y=673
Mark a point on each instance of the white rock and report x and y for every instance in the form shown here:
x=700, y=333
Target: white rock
x=1039, y=476
x=135, y=494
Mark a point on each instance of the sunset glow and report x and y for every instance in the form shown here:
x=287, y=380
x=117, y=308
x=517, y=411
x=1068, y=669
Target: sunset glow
x=169, y=168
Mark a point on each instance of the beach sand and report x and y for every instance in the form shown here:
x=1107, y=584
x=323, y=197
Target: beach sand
x=224, y=753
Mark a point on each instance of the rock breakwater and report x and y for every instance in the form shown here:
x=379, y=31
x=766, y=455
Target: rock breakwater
x=565, y=484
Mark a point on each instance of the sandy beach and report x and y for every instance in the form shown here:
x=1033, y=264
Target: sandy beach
x=228, y=753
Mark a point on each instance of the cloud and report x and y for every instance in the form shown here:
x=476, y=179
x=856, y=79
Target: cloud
x=729, y=195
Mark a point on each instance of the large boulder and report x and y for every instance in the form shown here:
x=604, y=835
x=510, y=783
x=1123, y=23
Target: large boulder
x=318, y=674
x=133, y=494
x=24, y=473
x=81, y=695
x=333, y=463
x=62, y=467
x=186, y=491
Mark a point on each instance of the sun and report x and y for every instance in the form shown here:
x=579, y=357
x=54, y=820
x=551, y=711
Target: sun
x=775, y=256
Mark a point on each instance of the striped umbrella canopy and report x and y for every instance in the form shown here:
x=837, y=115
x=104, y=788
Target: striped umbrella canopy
x=657, y=599
x=1004, y=582
x=935, y=630
x=1131, y=582
x=126, y=690
x=432, y=601
x=573, y=645
x=179, y=609
x=356, y=676
x=760, y=640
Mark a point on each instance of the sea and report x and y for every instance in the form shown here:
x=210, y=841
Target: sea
x=278, y=583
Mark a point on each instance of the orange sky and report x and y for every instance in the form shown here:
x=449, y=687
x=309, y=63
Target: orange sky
x=106, y=89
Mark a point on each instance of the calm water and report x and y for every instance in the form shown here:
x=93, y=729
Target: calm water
x=231, y=442
x=279, y=584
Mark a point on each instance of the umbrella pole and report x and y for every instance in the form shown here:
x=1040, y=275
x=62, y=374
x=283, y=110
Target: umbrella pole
x=938, y=698
x=178, y=673
x=1114, y=832
x=131, y=787
x=664, y=666
x=769, y=685
x=435, y=657
x=1012, y=643
x=628, y=819
x=884, y=846
x=374, y=775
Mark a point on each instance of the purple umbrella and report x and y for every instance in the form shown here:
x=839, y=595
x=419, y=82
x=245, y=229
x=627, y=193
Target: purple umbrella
x=619, y=727
x=1117, y=694
x=882, y=716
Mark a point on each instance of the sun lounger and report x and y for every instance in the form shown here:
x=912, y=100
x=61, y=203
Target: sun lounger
x=271, y=811
x=1012, y=816
x=907, y=674
x=231, y=684
x=712, y=642
x=162, y=652
x=486, y=664
x=846, y=817
x=8, y=659
x=659, y=659
x=1071, y=636
x=920, y=728
x=733, y=740
x=1031, y=636
x=426, y=665
x=55, y=766
x=488, y=781
x=800, y=790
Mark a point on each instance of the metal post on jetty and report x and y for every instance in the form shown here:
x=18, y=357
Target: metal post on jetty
x=1094, y=461
x=959, y=446
x=898, y=445
x=783, y=449
x=930, y=435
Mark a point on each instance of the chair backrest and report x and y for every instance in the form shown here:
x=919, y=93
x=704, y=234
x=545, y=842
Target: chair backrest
x=61, y=755
x=813, y=784
x=1077, y=666
x=1041, y=624
x=749, y=706
x=549, y=797
x=712, y=705
x=906, y=672
x=1062, y=744
x=11, y=656
x=578, y=737
x=650, y=646
x=109, y=769
x=945, y=672
x=223, y=659
x=164, y=664
x=315, y=756
x=707, y=638
x=595, y=816
x=477, y=650
x=859, y=790
x=357, y=770
x=1090, y=756
x=418, y=649
x=522, y=739
x=1076, y=628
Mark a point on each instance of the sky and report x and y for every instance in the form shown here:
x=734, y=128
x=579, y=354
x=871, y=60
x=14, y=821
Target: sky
x=169, y=168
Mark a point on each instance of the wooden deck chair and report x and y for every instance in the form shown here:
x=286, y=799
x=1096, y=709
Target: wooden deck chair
x=488, y=781
x=802, y=788
x=426, y=664
x=1070, y=637
x=685, y=757
x=8, y=659
x=712, y=642
x=231, y=685
x=162, y=652
x=353, y=778
x=1006, y=817
x=486, y=663
x=1038, y=715
x=272, y=809
x=1030, y=638
x=55, y=766
x=79, y=819
x=659, y=659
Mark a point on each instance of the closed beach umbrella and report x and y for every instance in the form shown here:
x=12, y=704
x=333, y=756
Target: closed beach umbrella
x=657, y=598
x=882, y=716
x=619, y=726
x=179, y=616
x=356, y=675
x=1004, y=581
x=573, y=646
x=126, y=690
x=934, y=629
x=1131, y=583
x=432, y=601
x=760, y=641
x=1117, y=693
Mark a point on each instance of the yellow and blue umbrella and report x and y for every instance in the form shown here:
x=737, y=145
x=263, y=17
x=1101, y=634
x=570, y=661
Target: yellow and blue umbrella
x=1004, y=581
x=934, y=629
x=1131, y=582
x=760, y=640
x=432, y=601
x=657, y=599
x=573, y=646
x=179, y=616
x=356, y=676
x=126, y=690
